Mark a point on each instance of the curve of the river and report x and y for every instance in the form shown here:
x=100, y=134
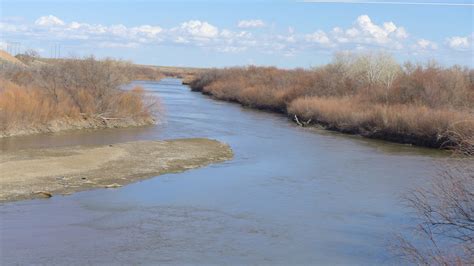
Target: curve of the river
x=290, y=195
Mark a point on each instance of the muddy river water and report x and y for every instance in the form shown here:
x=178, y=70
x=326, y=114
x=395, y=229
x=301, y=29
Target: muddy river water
x=290, y=195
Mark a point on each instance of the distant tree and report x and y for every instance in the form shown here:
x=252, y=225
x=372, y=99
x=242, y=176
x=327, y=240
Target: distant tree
x=28, y=56
x=378, y=69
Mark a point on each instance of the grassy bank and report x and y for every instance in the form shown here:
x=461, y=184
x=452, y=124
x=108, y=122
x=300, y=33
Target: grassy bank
x=71, y=94
x=368, y=94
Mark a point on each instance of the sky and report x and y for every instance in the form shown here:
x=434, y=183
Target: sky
x=286, y=34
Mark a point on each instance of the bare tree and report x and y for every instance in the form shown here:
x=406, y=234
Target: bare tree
x=445, y=212
x=378, y=69
x=28, y=56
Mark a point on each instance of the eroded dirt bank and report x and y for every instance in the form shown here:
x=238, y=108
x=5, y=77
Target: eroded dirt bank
x=35, y=173
x=92, y=123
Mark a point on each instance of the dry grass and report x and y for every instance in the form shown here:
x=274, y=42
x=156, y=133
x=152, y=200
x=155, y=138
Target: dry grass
x=29, y=106
x=416, y=124
x=146, y=73
x=369, y=95
x=7, y=58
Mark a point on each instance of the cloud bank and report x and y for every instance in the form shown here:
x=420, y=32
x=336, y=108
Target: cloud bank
x=251, y=34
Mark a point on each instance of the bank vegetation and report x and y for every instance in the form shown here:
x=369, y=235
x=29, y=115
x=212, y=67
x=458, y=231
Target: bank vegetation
x=366, y=94
x=80, y=93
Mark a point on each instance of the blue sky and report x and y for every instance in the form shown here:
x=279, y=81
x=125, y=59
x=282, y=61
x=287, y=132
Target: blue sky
x=227, y=33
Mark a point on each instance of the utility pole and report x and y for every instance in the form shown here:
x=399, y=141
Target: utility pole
x=56, y=51
x=13, y=48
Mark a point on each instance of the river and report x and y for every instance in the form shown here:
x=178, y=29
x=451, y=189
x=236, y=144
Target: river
x=290, y=195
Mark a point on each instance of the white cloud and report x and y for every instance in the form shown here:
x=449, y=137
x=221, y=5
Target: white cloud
x=401, y=33
x=84, y=30
x=118, y=45
x=117, y=30
x=352, y=32
x=231, y=49
x=74, y=25
x=364, y=33
x=252, y=23
x=234, y=42
x=376, y=33
x=90, y=29
x=147, y=30
x=389, y=27
x=200, y=29
x=424, y=44
x=286, y=38
x=459, y=43
x=318, y=37
x=49, y=21
x=8, y=27
x=180, y=39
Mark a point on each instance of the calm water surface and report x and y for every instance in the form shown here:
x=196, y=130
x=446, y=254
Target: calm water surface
x=290, y=195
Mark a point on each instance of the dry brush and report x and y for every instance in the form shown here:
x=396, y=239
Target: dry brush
x=368, y=94
x=73, y=93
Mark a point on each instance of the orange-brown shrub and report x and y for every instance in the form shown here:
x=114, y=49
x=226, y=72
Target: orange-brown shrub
x=146, y=73
x=366, y=94
x=132, y=104
x=415, y=124
x=23, y=106
x=70, y=91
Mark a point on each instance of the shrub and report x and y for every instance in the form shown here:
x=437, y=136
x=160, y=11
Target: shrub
x=402, y=123
x=444, y=212
x=368, y=94
x=70, y=90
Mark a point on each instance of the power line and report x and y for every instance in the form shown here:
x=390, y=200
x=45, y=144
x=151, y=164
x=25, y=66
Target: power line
x=13, y=48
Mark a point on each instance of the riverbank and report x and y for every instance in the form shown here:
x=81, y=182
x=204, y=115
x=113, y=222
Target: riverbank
x=84, y=123
x=56, y=95
x=39, y=173
x=419, y=126
x=420, y=105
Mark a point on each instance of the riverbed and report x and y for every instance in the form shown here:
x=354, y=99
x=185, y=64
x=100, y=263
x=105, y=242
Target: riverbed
x=290, y=195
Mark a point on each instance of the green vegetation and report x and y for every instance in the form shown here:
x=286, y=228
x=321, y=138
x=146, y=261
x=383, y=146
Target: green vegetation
x=368, y=94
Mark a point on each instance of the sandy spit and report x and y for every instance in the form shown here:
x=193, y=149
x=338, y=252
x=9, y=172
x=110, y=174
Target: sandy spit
x=41, y=173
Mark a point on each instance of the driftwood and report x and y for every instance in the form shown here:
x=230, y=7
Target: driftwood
x=302, y=123
x=114, y=185
x=103, y=117
x=43, y=194
x=111, y=118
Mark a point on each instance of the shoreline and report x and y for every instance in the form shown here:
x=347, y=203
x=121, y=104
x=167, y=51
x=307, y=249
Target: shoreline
x=410, y=139
x=42, y=173
x=77, y=124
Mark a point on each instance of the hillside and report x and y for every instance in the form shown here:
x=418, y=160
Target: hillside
x=6, y=57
